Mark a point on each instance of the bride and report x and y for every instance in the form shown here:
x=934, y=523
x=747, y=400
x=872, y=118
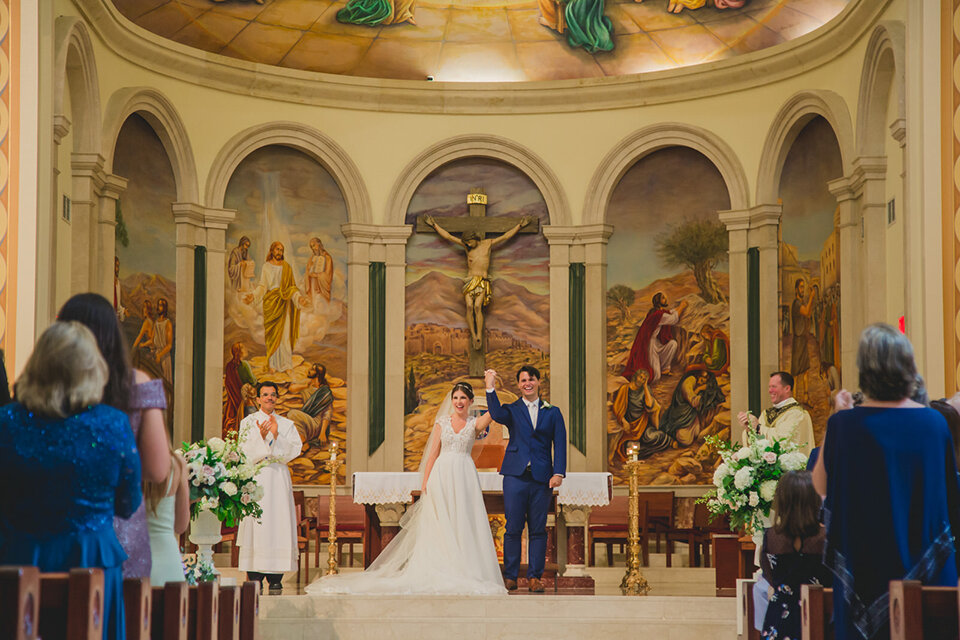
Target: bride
x=444, y=545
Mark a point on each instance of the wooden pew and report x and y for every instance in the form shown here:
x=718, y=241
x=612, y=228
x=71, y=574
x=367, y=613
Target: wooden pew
x=79, y=594
x=922, y=613
x=816, y=612
x=249, y=611
x=169, y=618
x=229, y=614
x=203, y=606
x=137, y=598
x=19, y=602
x=747, y=610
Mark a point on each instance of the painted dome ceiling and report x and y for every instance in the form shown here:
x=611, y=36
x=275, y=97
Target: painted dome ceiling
x=480, y=40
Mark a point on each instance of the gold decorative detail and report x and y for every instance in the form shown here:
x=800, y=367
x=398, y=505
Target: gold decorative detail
x=332, y=465
x=633, y=583
x=476, y=198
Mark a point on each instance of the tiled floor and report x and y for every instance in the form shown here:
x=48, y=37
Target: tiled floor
x=473, y=40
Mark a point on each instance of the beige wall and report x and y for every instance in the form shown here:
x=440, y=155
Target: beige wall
x=380, y=144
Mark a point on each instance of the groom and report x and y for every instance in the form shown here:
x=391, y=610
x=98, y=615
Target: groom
x=529, y=471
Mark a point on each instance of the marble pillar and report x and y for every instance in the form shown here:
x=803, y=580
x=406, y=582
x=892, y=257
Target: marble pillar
x=389, y=514
x=852, y=293
x=188, y=218
x=215, y=223
x=576, y=518
x=106, y=234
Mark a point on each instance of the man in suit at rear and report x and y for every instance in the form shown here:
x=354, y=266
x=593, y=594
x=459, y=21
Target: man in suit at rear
x=534, y=464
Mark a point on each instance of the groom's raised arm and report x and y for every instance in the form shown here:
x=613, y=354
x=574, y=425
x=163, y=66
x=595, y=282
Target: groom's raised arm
x=497, y=412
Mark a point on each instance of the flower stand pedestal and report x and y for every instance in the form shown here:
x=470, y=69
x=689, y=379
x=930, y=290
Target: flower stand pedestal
x=205, y=532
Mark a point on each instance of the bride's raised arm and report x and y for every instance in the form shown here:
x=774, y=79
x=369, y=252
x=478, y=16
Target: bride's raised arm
x=483, y=422
x=430, y=455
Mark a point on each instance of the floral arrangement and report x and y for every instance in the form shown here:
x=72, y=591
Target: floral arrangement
x=747, y=477
x=221, y=480
x=196, y=569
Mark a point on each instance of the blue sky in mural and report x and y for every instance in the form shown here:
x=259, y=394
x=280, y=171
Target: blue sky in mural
x=151, y=189
x=808, y=205
x=661, y=190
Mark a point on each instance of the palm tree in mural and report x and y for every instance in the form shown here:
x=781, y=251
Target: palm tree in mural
x=699, y=245
x=621, y=297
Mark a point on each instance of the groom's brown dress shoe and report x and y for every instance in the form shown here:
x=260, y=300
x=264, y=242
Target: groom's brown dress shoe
x=511, y=585
x=535, y=585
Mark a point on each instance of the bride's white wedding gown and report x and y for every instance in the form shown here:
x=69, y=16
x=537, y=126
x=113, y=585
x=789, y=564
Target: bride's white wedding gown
x=444, y=545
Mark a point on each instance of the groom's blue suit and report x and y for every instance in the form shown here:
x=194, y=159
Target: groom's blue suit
x=526, y=470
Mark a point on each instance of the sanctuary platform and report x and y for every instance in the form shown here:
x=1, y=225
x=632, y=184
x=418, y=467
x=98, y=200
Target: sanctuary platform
x=497, y=617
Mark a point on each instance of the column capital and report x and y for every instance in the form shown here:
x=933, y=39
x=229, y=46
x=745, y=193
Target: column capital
x=867, y=169
x=61, y=127
x=188, y=213
x=112, y=186
x=898, y=129
x=376, y=234
x=841, y=189
x=218, y=218
x=735, y=219
x=575, y=515
x=578, y=235
x=90, y=166
x=390, y=513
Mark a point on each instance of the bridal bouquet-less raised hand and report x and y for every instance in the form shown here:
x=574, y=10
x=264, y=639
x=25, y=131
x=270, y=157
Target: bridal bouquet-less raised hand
x=221, y=480
x=747, y=477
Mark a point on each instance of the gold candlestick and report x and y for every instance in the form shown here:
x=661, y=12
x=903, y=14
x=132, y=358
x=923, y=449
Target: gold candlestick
x=332, y=465
x=633, y=583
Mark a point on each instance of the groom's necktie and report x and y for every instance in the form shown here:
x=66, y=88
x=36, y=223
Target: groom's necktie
x=533, y=408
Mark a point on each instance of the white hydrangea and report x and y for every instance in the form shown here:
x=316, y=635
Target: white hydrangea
x=743, y=478
x=216, y=445
x=229, y=488
x=754, y=499
x=720, y=473
x=762, y=444
x=793, y=461
x=257, y=493
x=767, y=489
x=742, y=454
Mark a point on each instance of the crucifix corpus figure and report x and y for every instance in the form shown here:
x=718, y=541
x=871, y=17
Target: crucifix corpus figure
x=473, y=228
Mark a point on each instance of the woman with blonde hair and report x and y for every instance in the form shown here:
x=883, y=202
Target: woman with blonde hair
x=70, y=464
x=168, y=514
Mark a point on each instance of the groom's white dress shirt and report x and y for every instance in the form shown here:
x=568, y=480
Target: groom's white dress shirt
x=533, y=408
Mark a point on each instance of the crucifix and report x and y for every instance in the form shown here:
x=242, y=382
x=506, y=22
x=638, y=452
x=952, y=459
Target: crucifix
x=473, y=230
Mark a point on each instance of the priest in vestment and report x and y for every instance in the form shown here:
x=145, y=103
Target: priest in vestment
x=282, y=302
x=268, y=548
x=786, y=419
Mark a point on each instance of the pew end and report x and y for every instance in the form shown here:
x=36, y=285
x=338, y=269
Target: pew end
x=19, y=602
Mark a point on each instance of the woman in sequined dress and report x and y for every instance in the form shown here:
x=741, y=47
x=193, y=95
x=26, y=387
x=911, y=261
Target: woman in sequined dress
x=143, y=400
x=69, y=465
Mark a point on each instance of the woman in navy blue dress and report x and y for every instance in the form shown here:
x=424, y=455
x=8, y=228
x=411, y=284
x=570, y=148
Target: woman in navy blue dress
x=68, y=464
x=892, y=505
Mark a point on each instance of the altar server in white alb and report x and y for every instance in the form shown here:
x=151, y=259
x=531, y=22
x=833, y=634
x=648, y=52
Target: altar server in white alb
x=268, y=548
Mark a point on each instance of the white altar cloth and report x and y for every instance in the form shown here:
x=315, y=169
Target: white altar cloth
x=385, y=487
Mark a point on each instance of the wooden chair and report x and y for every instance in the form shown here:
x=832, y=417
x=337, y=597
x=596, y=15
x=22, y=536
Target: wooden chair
x=170, y=616
x=304, y=525
x=228, y=617
x=249, y=611
x=816, y=612
x=608, y=525
x=19, y=602
x=350, y=525
x=79, y=595
x=657, y=520
x=137, y=602
x=922, y=613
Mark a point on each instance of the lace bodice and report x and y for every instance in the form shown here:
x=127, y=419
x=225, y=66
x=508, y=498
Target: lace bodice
x=453, y=442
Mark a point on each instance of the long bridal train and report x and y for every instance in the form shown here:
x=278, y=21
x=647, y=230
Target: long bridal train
x=444, y=546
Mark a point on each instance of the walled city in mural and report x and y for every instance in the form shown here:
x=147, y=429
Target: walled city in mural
x=285, y=300
x=668, y=318
x=481, y=40
x=810, y=270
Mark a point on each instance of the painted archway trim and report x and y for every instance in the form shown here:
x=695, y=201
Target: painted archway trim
x=298, y=136
x=660, y=136
x=884, y=70
x=796, y=112
x=163, y=117
x=74, y=63
x=478, y=146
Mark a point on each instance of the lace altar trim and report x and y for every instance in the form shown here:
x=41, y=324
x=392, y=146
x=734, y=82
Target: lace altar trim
x=585, y=489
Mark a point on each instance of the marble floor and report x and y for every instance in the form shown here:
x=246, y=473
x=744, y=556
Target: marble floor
x=473, y=40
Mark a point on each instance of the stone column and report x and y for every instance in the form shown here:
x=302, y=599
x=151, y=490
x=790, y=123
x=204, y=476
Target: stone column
x=852, y=292
x=88, y=179
x=359, y=238
x=764, y=234
x=215, y=223
x=389, y=514
x=594, y=240
x=394, y=241
x=188, y=218
x=869, y=187
x=738, y=225
x=106, y=233
x=560, y=241
x=576, y=518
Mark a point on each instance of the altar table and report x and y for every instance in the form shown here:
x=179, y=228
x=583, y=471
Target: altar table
x=386, y=495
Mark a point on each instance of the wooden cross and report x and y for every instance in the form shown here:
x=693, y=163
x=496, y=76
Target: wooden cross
x=476, y=219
